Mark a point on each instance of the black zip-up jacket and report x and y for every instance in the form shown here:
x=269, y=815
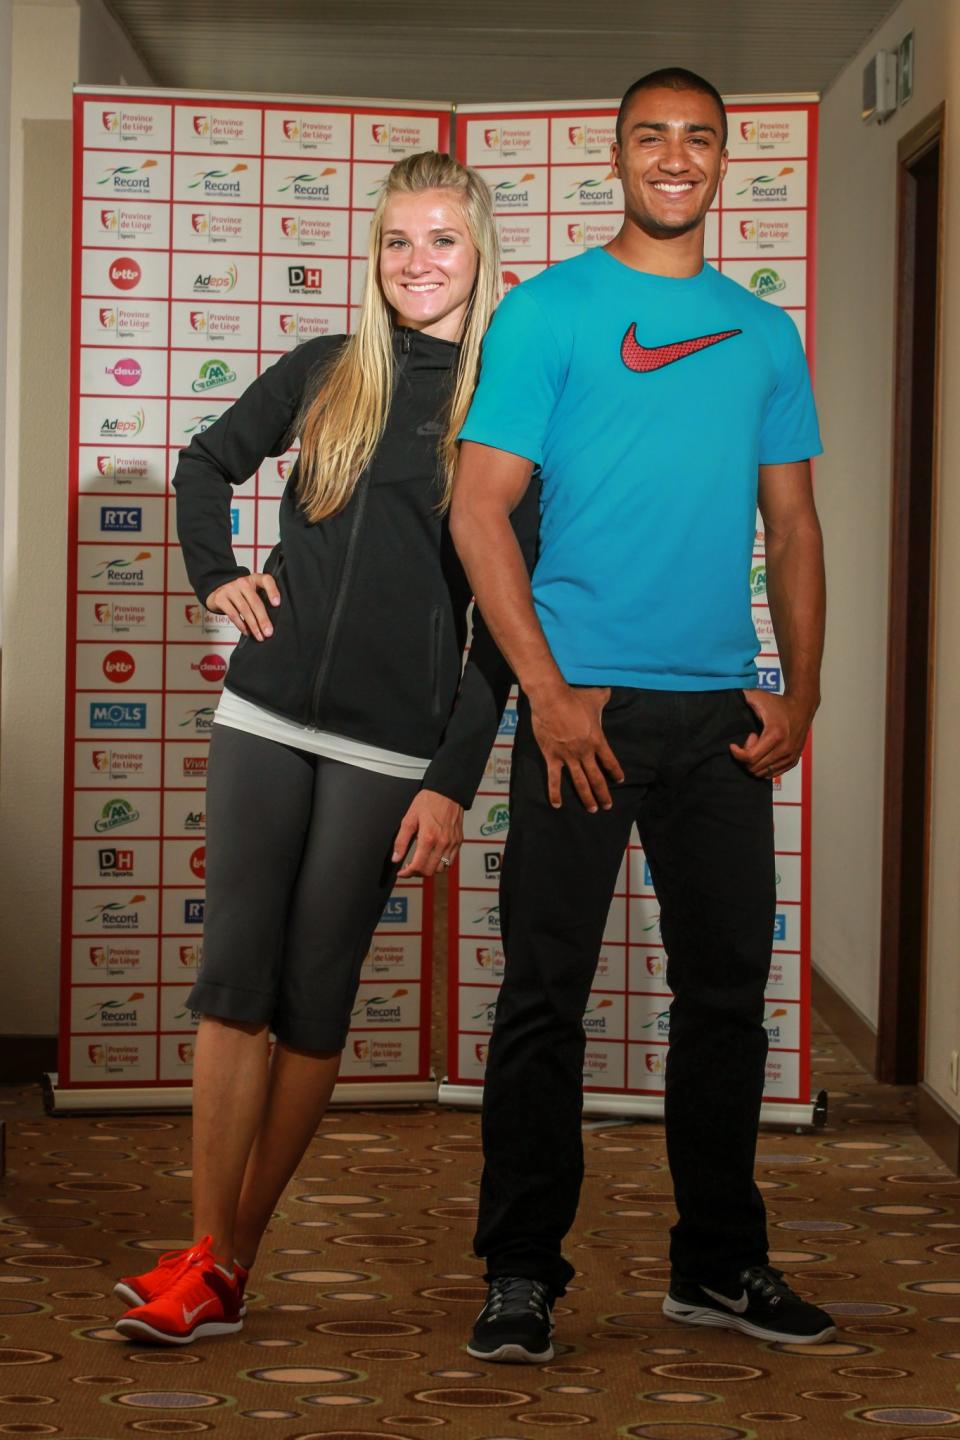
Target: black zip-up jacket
x=368, y=637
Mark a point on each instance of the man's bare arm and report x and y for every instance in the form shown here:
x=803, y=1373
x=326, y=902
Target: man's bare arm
x=489, y=484
x=796, y=590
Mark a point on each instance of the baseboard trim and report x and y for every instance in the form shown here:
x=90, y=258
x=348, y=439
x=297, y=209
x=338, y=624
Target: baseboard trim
x=939, y=1127
x=846, y=1023
x=25, y=1058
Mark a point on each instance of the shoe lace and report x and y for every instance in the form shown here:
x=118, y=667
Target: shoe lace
x=190, y=1281
x=514, y=1294
x=767, y=1283
x=176, y=1258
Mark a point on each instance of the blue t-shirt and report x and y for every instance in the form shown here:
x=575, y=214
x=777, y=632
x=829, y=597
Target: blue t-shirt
x=647, y=403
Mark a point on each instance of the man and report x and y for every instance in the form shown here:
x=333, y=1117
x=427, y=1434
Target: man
x=660, y=403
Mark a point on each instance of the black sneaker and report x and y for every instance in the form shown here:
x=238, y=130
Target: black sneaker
x=515, y=1324
x=765, y=1308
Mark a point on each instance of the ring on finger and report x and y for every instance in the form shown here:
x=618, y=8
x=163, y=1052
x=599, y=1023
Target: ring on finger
x=445, y=861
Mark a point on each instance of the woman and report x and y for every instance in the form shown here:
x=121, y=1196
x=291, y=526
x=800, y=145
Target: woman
x=345, y=740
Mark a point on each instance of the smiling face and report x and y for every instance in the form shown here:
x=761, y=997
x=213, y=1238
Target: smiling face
x=670, y=160
x=428, y=263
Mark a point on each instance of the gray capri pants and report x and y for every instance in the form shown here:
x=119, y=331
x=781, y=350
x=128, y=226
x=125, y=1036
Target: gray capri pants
x=298, y=872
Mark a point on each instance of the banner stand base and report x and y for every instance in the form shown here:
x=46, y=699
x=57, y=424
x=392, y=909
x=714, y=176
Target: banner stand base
x=78, y=1099
x=650, y=1107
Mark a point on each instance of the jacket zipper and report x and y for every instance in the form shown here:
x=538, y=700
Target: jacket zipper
x=363, y=486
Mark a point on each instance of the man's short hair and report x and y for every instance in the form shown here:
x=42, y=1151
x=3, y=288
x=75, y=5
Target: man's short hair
x=673, y=78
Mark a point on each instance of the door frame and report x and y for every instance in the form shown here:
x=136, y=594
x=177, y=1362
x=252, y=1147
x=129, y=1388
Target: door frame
x=902, y=999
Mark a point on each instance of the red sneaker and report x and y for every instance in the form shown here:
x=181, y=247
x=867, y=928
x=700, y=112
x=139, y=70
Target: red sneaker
x=142, y=1289
x=199, y=1300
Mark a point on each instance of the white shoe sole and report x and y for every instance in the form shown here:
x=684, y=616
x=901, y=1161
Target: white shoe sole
x=131, y=1299
x=513, y=1355
x=686, y=1314
x=140, y=1330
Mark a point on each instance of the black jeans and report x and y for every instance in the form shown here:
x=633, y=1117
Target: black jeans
x=706, y=826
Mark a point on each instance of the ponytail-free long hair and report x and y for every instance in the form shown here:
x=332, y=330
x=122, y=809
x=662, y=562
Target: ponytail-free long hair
x=343, y=423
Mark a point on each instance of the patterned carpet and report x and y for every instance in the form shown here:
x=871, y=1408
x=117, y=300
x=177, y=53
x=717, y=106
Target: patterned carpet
x=367, y=1287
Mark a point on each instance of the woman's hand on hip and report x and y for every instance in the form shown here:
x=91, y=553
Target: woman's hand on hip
x=437, y=825
x=240, y=601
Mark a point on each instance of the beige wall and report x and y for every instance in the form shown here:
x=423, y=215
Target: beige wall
x=45, y=64
x=855, y=340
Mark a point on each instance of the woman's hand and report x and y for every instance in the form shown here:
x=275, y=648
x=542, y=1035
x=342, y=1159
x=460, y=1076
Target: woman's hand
x=437, y=824
x=240, y=601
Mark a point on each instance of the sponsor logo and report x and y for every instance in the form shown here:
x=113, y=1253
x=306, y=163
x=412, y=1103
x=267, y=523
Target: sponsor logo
x=652, y=926
x=114, y=959
x=485, y=1015
x=771, y=1024
x=765, y=134
x=592, y=139
x=127, y=125
x=185, y=1052
x=126, y=372
x=509, y=194
x=216, y=325
x=491, y=138
x=765, y=187
x=396, y=135
x=647, y=876
x=653, y=1063
x=283, y=468
x=122, y=426
x=200, y=720
x=120, y=571
x=198, y=862
x=768, y=678
x=193, y=910
x=378, y=1053
x=118, y=617
x=508, y=723
x=116, y=1013
x=641, y=359
x=118, y=764
x=216, y=227
x=213, y=373
x=125, y=323
x=198, y=423
x=114, y=1059
x=488, y=919
x=306, y=132
x=510, y=279
x=488, y=959
x=218, y=129
x=127, y=222
x=758, y=580
x=211, y=668
x=303, y=325
x=190, y=956
x=115, y=862
x=125, y=273
x=766, y=281
x=765, y=233
x=593, y=1021
x=309, y=230
x=309, y=185
x=305, y=279
x=219, y=284
x=114, y=715
x=497, y=821
x=592, y=191
x=129, y=179
x=780, y=926
x=115, y=812
x=395, y=911
x=219, y=183
x=659, y=1023
x=380, y=1008
x=117, y=914
x=492, y=862
x=195, y=820
x=655, y=965
x=481, y=1050
x=194, y=767
x=119, y=666
x=204, y=619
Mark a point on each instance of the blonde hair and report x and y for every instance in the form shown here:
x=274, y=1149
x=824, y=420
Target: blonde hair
x=342, y=424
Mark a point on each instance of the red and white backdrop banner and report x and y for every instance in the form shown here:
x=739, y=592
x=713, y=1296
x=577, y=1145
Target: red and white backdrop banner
x=549, y=169
x=210, y=235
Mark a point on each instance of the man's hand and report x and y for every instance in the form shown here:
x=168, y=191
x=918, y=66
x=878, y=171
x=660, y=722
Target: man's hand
x=567, y=727
x=437, y=824
x=786, y=721
x=240, y=601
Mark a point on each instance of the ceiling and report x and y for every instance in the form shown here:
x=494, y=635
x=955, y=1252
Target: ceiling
x=497, y=50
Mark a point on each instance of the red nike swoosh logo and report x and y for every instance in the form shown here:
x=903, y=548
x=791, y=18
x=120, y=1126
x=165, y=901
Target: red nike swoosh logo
x=642, y=359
